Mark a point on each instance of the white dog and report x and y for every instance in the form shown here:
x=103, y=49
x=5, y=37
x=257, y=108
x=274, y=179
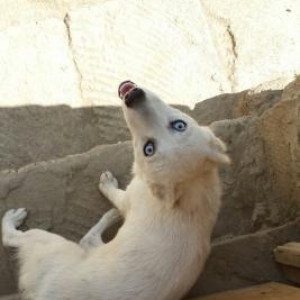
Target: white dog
x=170, y=208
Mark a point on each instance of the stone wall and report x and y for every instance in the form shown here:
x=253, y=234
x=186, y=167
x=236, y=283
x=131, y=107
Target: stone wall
x=261, y=188
x=60, y=64
x=76, y=52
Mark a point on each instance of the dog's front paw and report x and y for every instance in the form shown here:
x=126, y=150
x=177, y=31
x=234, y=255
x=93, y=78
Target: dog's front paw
x=15, y=216
x=107, y=181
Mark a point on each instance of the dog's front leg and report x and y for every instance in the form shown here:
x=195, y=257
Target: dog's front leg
x=109, y=187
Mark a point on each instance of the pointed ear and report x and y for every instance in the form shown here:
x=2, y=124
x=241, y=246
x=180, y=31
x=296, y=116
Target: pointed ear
x=165, y=193
x=217, y=151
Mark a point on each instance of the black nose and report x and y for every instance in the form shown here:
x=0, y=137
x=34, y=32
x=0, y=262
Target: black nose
x=134, y=97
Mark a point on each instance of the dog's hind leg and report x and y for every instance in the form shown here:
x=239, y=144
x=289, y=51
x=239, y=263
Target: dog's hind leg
x=39, y=251
x=12, y=237
x=10, y=222
x=94, y=236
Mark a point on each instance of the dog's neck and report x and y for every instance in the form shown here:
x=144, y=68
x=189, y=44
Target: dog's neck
x=199, y=193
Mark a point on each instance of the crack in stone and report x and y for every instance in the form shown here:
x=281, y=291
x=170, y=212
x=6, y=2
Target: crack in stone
x=235, y=55
x=233, y=41
x=67, y=24
x=228, y=58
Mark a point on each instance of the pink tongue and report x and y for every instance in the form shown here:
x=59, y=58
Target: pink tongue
x=125, y=87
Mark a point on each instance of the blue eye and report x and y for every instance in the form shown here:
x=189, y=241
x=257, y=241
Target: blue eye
x=179, y=125
x=149, y=148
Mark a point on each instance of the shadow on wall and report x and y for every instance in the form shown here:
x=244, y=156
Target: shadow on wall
x=259, y=210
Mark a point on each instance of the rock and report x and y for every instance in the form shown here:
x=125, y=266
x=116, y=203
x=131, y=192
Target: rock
x=261, y=188
x=288, y=254
x=245, y=260
x=10, y=297
x=36, y=65
x=21, y=12
x=268, y=291
x=44, y=133
x=153, y=44
x=24, y=11
x=183, y=59
x=232, y=106
x=280, y=129
x=244, y=36
x=240, y=196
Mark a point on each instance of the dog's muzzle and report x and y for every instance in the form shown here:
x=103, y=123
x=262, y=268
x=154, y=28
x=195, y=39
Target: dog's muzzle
x=130, y=93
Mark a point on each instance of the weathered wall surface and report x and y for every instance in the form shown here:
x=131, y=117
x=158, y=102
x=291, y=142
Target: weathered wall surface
x=261, y=188
x=77, y=52
x=37, y=133
x=30, y=134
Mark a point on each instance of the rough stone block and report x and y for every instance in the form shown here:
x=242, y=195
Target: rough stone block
x=260, y=202
x=288, y=254
x=35, y=133
x=245, y=260
x=36, y=65
x=268, y=291
x=256, y=41
x=152, y=43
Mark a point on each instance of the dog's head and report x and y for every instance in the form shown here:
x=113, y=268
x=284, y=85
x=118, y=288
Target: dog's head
x=169, y=146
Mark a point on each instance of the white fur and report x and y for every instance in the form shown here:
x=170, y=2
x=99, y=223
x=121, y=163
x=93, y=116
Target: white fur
x=170, y=208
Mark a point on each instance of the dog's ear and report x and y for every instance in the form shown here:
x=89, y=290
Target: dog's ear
x=166, y=193
x=217, y=151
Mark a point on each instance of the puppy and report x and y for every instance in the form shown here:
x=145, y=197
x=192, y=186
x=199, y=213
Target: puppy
x=170, y=208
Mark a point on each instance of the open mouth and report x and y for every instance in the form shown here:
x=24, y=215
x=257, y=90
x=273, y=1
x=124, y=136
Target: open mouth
x=125, y=88
x=130, y=93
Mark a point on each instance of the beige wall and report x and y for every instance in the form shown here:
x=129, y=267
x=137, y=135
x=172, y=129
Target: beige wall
x=54, y=52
